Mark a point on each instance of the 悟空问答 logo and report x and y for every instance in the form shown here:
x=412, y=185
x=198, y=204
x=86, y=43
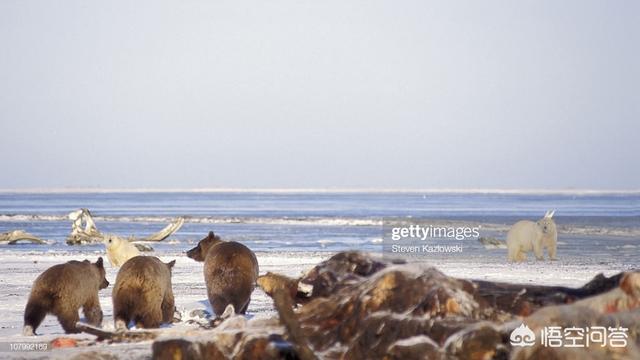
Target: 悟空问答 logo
x=522, y=336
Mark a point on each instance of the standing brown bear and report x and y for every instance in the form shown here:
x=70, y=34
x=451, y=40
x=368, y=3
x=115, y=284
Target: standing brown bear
x=143, y=293
x=61, y=290
x=230, y=272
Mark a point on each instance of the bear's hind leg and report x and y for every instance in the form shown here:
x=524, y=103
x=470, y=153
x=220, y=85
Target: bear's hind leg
x=218, y=304
x=512, y=251
x=151, y=319
x=68, y=318
x=34, y=313
x=92, y=311
x=244, y=309
x=120, y=318
x=168, y=308
x=521, y=256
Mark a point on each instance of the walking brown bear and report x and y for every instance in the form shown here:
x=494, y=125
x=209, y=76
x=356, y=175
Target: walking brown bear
x=230, y=272
x=143, y=293
x=61, y=290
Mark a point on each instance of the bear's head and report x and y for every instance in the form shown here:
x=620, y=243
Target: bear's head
x=112, y=241
x=199, y=252
x=99, y=265
x=546, y=224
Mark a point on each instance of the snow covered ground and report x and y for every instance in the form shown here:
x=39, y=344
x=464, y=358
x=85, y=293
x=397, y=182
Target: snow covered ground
x=19, y=270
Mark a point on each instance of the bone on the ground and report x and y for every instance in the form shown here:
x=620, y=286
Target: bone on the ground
x=118, y=336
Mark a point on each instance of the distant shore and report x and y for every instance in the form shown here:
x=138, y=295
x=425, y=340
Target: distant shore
x=83, y=190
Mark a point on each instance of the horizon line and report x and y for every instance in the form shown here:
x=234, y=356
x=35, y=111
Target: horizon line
x=319, y=190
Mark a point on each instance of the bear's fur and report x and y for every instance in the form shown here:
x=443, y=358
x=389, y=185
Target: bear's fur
x=119, y=250
x=62, y=290
x=230, y=272
x=143, y=293
x=525, y=236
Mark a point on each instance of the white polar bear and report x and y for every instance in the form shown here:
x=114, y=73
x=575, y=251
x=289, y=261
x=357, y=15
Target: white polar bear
x=525, y=236
x=119, y=250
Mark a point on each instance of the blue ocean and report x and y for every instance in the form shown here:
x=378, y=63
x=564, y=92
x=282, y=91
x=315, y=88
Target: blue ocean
x=325, y=221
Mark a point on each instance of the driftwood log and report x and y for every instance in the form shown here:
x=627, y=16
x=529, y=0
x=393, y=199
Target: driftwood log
x=15, y=236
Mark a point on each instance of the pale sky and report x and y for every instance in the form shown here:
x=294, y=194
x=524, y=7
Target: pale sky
x=320, y=94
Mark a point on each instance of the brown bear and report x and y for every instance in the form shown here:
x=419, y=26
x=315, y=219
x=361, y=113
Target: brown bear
x=143, y=294
x=230, y=272
x=61, y=290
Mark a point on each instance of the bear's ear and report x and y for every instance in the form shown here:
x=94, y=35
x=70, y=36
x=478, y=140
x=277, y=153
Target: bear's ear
x=211, y=235
x=171, y=263
x=87, y=261
x=99, y=262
